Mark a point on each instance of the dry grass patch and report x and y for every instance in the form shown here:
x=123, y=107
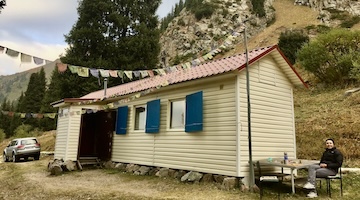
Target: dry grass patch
x=321, y=114
x=287, y=17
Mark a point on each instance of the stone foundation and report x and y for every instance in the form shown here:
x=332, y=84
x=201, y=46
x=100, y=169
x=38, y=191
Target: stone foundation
x=57, y=167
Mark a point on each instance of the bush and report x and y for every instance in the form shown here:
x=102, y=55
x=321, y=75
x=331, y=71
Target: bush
x=291, y=41
x=23, y=131
x=206, y=10
x=258, y=7
x=337, y=14
x=348, y=23
x=333, y=57
x=181, y=22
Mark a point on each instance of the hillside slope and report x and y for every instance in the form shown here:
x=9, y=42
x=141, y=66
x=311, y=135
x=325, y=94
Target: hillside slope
x=11, y=86
x=287, y=16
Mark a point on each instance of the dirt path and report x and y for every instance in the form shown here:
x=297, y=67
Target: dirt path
x=30, y=180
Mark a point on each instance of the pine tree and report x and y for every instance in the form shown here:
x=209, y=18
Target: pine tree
x=32, y=100
x=5, y=119
x=52, y=94
x=35, y=92
x=111, y=34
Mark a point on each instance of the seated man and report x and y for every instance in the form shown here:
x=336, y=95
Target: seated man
x=330, y=163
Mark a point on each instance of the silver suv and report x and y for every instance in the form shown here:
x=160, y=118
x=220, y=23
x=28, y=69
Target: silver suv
x=22, y=148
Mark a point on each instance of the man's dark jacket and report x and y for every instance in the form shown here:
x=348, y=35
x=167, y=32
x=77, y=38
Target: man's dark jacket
x=333, y=158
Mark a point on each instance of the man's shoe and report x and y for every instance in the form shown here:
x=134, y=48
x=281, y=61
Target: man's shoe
x=312, y=195
x=309, y=186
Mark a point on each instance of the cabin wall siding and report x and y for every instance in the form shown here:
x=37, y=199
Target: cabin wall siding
x=68, y=132
x=61, y=137
x=272, y=114
x=212, y=150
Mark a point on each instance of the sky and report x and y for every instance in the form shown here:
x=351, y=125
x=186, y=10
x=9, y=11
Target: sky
x=37, y=28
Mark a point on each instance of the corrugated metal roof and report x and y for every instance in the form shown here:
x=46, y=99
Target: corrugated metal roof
x=236, y=62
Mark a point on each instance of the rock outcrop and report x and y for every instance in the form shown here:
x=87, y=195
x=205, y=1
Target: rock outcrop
x=186, y=37
x=323, y=6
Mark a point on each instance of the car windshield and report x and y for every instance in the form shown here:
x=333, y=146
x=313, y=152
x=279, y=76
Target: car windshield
x=29, y=141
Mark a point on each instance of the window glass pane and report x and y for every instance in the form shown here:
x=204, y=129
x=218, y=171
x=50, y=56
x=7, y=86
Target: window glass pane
x=31, y=141
x=140, y=117
x=177, y=114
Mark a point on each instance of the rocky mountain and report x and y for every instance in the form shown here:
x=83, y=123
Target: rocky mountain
x=187, y=38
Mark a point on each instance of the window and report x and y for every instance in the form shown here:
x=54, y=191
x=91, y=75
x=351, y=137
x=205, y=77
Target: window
x=30, y=141
x=140, y=117
x=187, y=114
x=177, y=114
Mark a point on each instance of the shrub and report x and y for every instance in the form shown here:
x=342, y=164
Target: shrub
x=23, y=131
x=333, y=56
x=270, y=21
x=323, y=29
x=206, y=10
x=348, y=23
x=258, y=7
x=291, y=41
x=181, y=22
x=337, y=14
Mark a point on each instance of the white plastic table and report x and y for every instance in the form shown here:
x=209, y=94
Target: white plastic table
x=292, y=165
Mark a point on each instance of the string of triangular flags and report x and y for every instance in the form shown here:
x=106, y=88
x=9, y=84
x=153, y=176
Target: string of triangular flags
x=87, y=72
x=112, y=105
x=24, y=58
x=141, y=73
x=29, y=115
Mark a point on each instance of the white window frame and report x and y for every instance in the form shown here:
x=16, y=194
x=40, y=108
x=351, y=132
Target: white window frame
x=169, y=118
x=135, y=116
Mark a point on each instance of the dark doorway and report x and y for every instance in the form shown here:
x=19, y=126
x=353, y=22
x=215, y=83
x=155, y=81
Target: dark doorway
x=96, y=135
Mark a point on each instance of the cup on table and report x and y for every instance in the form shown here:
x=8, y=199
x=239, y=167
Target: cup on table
x=269, y=159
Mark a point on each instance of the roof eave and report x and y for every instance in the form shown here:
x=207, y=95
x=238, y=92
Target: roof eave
x=67, y=101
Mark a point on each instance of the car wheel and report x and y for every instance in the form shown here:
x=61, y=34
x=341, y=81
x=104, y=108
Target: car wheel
x=37, y=157
x=5, y=158
x=15, y=158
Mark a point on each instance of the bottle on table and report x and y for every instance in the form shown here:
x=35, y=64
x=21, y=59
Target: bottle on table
x=286, y=158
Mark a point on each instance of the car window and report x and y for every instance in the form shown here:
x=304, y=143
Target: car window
x=13, y=143
x=28, y=142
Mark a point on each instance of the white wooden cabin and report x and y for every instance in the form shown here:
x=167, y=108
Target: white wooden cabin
x=159, y=129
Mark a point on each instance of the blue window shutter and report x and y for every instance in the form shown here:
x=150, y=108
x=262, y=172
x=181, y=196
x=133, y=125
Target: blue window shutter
x=194, y=112
x=121, y=120
x=152, y=116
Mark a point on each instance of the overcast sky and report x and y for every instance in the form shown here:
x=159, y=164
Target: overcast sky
x=37, y=28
